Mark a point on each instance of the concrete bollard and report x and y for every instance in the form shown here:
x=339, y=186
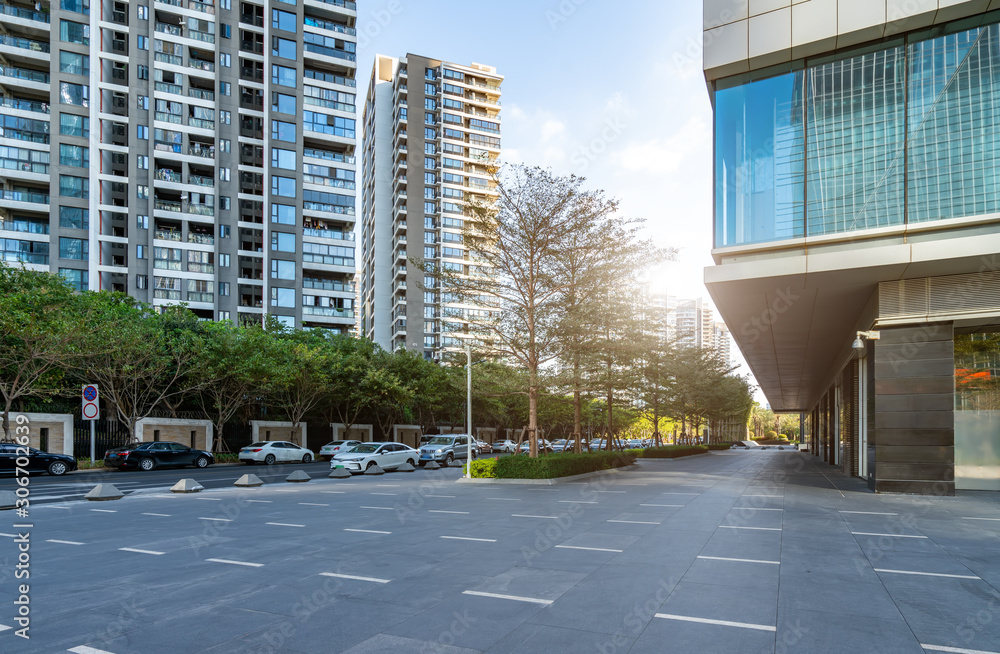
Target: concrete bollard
x=249, y=481
x=186, y=486
x=104, y=493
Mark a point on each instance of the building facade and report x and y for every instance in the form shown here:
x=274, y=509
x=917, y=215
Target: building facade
x=184, y=151
x=419, y=172
x=857, y=227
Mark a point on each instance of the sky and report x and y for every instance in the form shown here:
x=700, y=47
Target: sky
x=612, y=91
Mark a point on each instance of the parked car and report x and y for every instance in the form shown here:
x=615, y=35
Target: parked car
x=336, y=447
x=38, y=461
x=483, y=447
x=387, y=456
x=543, y=446
x=446, y=448
x=504, y=446
x=271, y=452
x=156, y=454
x=560, y=445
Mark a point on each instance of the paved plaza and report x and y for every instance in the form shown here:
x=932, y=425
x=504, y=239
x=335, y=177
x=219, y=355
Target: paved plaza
x=735, y=552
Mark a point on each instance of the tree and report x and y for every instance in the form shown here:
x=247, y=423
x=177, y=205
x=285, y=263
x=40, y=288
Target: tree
x=350, y=379
x=39, y=334
x=302, y=362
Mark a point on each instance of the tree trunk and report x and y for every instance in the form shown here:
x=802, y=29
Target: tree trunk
x=611, y=423
x=533, y=415
x=577, y=422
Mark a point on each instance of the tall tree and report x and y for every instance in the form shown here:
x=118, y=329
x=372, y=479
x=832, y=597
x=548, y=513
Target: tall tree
x=303, y=360
x=39, y=333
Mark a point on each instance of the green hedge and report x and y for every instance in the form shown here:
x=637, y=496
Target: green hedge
x=719, y=446
x=673, y=451
x=550, y=466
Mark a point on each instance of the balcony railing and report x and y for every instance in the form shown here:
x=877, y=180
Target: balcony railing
x=329, y=52
x=206, y=268
x=329, y=233
x=201, y=123
x=332, y=312
x=173, y=30
x=167, y=117
x=320, y=76
x=328, y=155
x=326, y=285
x=167, y=264
x=23, y=166
x=201, y=36
x=309, y=21
x=176, y=60
x=24, y=105
x=163, y=87
x=201, y=94
x=167, y=175
x=24, y=196
x=346, y=4
x=18, y=12
x=167, y=234
x=184, y=207
x=25, y=74
x=201, y=180
x=199, y=296
x=24, y=44
x=165, y=294
x=202, y=239
x=324, y=180
x=202, y=65
x=202, y=150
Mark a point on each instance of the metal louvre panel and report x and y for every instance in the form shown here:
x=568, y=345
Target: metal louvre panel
x=940, y=296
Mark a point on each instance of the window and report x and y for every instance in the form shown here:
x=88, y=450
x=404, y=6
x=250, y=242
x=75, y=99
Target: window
x=283, y=75
x=429, y=193
x=283, y=186
x=225, y=174
x=71, y=32
x=225, y=60
x=142, y=192
x=283, y=297
x=430, y=164
x=454, y=253
x=140, y=252
x=75, y=278
x=225, y=88
x=224, y=289
x=224, y=260
x=282, y=242
x=430, y=178
x=74, y=218
x=142, y=131
x=430, y=207
x=142, y=11
x=283, y=131
x=283, y=158
x=226, y=117
x=227, y=31
x=452, y=103
x=142, y=102
x=316, y=122
x=223, y=315
x=283, y=20
x=74, y=248
x=225, y=145
x=224, y=231
x=76, y=6
x=430, y=103
x=143, y=42
x=73, y=187
x=430, y=148
x=282, y=269
x=282, y=48
x=142, y=221
x=283, y=103
x=282, y=214
x=452, y=118
x=430, y=119
x=74, y=155
x=75, y=94
x=142, y=162
x=430, y=253
x=430, y=133
x=328, y=254
x=142, y=282
x=73, y=125
x=225, y=202
x=73, y=63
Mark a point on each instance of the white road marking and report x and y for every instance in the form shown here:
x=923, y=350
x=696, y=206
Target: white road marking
x=261, y=501
x=374, y=580
x=64, y=542
x=4, y=627
x=312, y=504
x=217, y=519
x=246, y=563
x=592, y=549
x=676, y=506
x=387, y=485
x=543, y=517
x=990, y=519
x=158, y=515
x=754, y=528
x=723, y=623
x=138, y=551
x=636, y=522
x=577, y=502
x=450, y=496
x=383, y=508
x=955, y=650
x=505, y=499
x=680, y=493
x=283, y=524
x=754, y=508
x=369, y=531
x=867, y=513
x=778, y=496
x=865, y=533
x=516, y=598
x=481, y=540
x=209, y=499
x=624, y=484
x=545, y=490
x=383, y=493
x=606, y=491
x=83, y=649
x=286, y=490
x=926, y=574
x=334, y=492
x=104, y=510
x=434, y=511
x=53, y=506
x=723, y=558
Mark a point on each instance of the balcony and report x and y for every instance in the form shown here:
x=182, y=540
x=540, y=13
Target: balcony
x=327, y=285
x=201, y=239
x=163, y=87
x=167, y=175
x=167, y=117
x=199, y=150
x=201, y=123
x=199, y=296
x=331, y=312
x=198, y=64
x=24, y=196
x=346, y=4
x=167, y=234
x=166, y=294
x=200, y=180
x=23, y=44
x=24, y=74
x=310, y=21
x=24, y=105
x=173, y=30
x=184, y=207
x=201, y=94
x=329, y=233
x=27, y=14
x=205, y=268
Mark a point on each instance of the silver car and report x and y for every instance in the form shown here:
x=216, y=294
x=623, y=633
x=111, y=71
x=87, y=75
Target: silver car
x=387, y=456
x=336, y=447
x=504, y=446
x=446, y=448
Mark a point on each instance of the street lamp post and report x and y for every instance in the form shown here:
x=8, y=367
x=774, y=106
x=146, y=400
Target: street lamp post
x=468, y=409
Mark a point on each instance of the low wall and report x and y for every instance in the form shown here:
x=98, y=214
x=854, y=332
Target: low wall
x=198, y=434
x=58, y=434
x=275, y=430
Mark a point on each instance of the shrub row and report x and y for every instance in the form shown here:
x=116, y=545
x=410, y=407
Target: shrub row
x=551, y=466
x=673, y=451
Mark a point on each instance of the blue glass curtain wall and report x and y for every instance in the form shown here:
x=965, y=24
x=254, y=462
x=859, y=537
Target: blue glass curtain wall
x=904, y=134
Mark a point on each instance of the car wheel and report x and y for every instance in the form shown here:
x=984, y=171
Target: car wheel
x=201, y=462
x=307, y=458
x=370, y=464
x=57, y=468
x=146, y=464
x=269, y=459
x=412, y=462
x=449, y=459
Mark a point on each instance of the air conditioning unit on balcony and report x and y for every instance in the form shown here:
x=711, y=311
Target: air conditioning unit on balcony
x=119, y=74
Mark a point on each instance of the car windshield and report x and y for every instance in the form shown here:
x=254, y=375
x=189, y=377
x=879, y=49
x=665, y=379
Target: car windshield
x=364, y=449
x=261, y=444
x=335, y=443
x=440, y=440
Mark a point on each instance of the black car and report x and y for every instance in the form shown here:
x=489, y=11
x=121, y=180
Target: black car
x=146, y=456
x=38, y=461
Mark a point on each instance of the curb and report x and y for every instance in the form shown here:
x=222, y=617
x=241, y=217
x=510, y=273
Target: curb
x=85, y=470
x=549, y=482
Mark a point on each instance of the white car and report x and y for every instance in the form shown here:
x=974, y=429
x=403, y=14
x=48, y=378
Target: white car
x=387, y=456
x=543, y=446
x=336, y=447
x=271, y=452
x=504, y=446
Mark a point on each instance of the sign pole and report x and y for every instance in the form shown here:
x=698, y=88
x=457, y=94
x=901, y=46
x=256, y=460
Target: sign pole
x=91, y=410
x=93, y=440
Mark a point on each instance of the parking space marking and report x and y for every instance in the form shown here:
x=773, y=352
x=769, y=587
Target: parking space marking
x=636, y=522
x=866, y=533
x=387, y=485
x=83, y=649
x=231, y=562
x=991, y=519
x=867, y=513
x=64, y=542
x=723, y=558
x=261, y=501
x=592, y=549
x=334, y=492
x=607, y=491
x=209, y=499
x=505, y=499
x=286, y=490
x=283, y=524
x=955, y=650
x=369, y=531
x=383, y=493
x=104, y=510
x=138, y=551
x=217, y=519
x=312, y=504
x=541, y=517
x=449, y=496
x=158, y=515
x=480, y=540
x=631, y=484
x=754, y=508
x=681, y=493
x=722, y=623
x=754, y=528
x=374, y=580
x=381, y=508
x=577, y=502
x=927, y=574
x=516, y=598
x=436, y=511
x=779, y=496
x=673, y=506
x=545, y=490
